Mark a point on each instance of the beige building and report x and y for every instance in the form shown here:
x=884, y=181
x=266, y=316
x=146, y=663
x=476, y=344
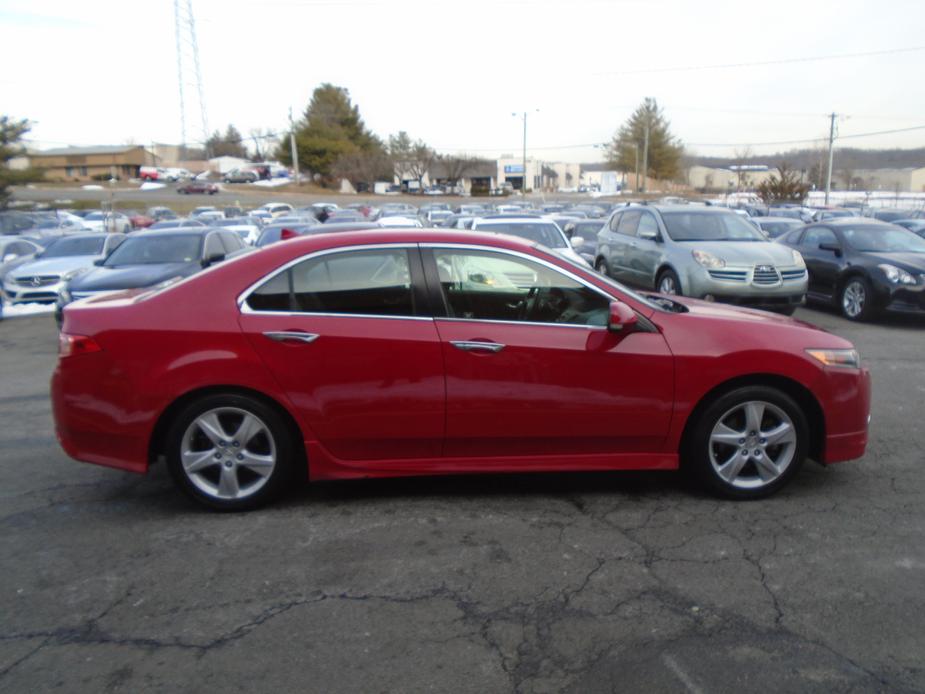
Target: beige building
x=908, y=180
x=710, y=178
x=89, y=163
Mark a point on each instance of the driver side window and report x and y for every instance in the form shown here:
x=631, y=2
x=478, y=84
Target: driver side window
x=482, y=285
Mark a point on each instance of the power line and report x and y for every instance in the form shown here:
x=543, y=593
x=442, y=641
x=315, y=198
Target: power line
x=759, y=63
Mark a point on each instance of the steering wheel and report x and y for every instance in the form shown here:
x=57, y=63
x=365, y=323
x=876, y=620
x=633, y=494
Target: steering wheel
x=528, y=303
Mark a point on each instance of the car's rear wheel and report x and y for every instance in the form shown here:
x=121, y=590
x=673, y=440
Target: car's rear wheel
x=748, y=443
x=856, y=299
x=230, y=452
x=602, y=267
x=668, y=283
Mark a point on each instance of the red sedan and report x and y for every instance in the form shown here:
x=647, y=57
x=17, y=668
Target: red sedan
x=384, y=353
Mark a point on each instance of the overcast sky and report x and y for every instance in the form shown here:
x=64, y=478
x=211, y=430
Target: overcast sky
x=451, y=73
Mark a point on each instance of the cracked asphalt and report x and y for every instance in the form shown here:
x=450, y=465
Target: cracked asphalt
x=555, y=583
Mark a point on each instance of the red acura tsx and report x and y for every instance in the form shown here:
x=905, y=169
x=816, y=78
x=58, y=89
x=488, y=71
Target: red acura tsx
x=383, y=353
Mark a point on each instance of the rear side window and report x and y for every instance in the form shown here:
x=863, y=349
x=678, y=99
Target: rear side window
x=628, y=223
x=370, y=282
x=816, y=235
x=231, y=242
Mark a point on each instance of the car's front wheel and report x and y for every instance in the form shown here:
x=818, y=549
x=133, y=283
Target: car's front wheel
x=748, y=443
x=230, y=452
x=602, y=267
x=856, y=299
x=668, y=283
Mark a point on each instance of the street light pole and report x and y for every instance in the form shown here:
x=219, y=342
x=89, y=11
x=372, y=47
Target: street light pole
x=295, y=151
x=828, y=176
x=524, y=116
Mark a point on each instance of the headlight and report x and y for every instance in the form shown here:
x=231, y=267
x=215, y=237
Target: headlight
x=798, y=259
x=847, y=358
x=708, y=260
x=897, y=275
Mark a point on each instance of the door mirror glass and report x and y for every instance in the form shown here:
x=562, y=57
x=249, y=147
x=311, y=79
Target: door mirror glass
x=577, y=241
x=622, y=317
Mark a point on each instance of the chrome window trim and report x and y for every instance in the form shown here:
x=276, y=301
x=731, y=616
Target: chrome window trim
x=243, y=296
x=525, y=256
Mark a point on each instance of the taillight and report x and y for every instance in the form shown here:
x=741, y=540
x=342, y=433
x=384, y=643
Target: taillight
x=72, y=345
x=287, y=234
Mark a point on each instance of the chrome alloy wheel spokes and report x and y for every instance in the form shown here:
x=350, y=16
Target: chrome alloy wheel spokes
x=854, y=298
x=752, y=444
x=228, y=453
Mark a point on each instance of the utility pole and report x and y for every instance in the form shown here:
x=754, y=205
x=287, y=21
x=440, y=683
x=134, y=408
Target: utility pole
x=524, y=191
x=828, y=176
x=636, y=152
x=295, y=152
x=645, y=155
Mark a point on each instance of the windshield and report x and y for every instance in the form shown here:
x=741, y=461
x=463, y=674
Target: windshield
x=709, y=226
x=879, y=240
x=539, y=232
x=154, y=248
x=74, y=246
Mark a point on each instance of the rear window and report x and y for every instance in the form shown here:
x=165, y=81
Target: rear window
x=539, y=232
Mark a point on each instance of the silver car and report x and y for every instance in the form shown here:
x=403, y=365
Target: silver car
x=41, y=279
x=701, y=252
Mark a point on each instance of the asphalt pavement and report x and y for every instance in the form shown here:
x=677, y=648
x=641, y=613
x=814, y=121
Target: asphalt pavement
x=623, y=582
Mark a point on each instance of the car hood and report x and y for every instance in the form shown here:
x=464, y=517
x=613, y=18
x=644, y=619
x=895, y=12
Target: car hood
x=906, y=261
x=710, y=309
x=130, y=276
x=744, y=252
x=54, y=266
x=571, y=254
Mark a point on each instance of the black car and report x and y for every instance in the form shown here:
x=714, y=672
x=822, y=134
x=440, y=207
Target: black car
x=144, y=260
x=862, y=266
x=777, y=226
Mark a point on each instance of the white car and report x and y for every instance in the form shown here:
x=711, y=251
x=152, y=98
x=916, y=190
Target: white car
x=397, y=222
x=540, y=230
x=40, y=280
x=247, y=227
x=112, y=222
x=277, y=209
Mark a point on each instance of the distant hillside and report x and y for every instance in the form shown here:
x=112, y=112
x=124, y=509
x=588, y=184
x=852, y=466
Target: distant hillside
x=844, y=158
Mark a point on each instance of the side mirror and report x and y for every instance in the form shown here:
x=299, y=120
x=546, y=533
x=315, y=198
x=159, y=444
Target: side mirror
x=214, y=258
x=8, y=257
x=647, y=234
x=577, y=241
x=622, y=318
x=99, y=262
x=834, y=247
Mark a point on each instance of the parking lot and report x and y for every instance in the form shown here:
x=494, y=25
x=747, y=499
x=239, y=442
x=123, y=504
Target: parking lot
x=582, y=583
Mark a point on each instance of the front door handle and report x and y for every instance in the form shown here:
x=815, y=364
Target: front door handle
x=476, y=346
x=294, y=335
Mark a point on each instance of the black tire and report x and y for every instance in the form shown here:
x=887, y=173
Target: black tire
x=858, y=287
x=700, y=451
x=668, y=276
x=603, y=267
x=274, y=438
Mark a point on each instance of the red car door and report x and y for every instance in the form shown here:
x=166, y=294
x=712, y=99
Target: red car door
x=345, y=337
x=531, y=368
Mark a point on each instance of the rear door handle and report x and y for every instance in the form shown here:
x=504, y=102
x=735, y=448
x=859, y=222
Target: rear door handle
x=294, y=335
x=476, y=346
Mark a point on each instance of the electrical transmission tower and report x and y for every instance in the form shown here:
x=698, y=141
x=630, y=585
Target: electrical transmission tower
x=188, y=52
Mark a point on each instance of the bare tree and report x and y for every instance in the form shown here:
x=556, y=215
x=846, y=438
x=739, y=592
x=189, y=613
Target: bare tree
x=742, y=158
x=412, y=158
x=456, y=166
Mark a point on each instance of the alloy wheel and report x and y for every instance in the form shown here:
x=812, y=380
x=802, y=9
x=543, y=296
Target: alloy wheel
x=854, y=298
x=752, y=444
x=666, y=285
x=228, y=453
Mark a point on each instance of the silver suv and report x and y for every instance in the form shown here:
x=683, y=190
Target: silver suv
x=701, y=252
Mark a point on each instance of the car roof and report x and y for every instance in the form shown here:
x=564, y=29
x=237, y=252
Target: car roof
x=177, y=231
x=508, y=218
x=838, y=222
x=788, y=220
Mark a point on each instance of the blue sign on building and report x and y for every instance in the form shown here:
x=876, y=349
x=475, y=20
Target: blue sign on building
x=514, y=168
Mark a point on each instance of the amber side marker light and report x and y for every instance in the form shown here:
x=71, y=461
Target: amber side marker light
x=72, y=345
x=847, y=358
